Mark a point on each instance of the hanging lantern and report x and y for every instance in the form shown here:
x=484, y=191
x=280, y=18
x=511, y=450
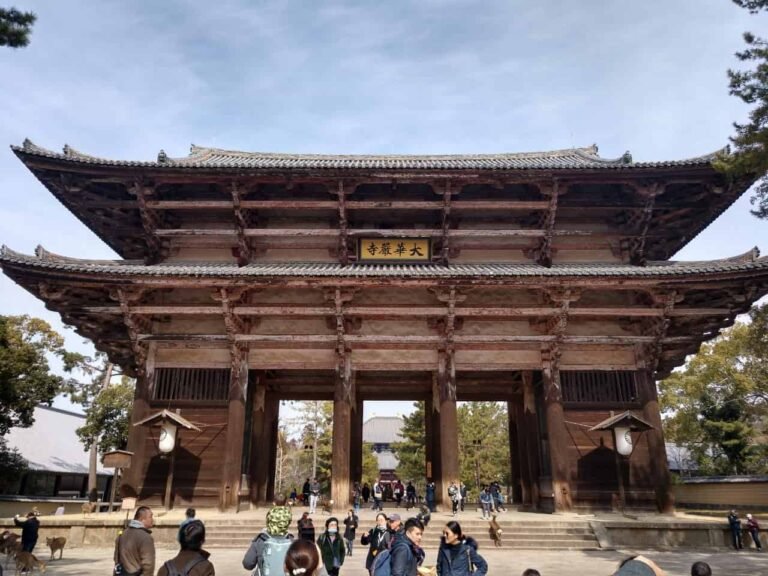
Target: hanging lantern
x=167, y=437
x=623, y=439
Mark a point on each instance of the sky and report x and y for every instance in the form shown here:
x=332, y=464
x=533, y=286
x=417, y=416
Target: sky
x=126, y=79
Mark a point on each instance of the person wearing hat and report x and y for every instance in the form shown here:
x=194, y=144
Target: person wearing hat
x=395, y=525
x=639, y=566
x=273, y=541
x=754, y=530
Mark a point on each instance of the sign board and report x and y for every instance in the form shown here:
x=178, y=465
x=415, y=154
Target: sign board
x=394, y=250
x=117, y=459
x=128, y=504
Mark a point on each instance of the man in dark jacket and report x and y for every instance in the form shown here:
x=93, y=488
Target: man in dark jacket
x=735, y=524
x=135, y=548
x=305, y=492
x=29, y=529
x=406, y=552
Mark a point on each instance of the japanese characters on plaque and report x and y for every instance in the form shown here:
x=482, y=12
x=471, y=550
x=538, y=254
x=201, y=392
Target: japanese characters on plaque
x=391, y=250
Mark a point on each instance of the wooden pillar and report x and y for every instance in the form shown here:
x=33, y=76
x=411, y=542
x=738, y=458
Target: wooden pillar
x=342, y=422
x=448, y=429
x=514, y=452
x=559, y=439
x=258, y=459
x=271, y=422
x=231, y=474
x=529, y=425
x=429, y=441
x=137, y=435
x=657, y=452
x=356, y=445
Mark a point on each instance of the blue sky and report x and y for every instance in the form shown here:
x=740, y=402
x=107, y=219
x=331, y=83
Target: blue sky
x=125, y=79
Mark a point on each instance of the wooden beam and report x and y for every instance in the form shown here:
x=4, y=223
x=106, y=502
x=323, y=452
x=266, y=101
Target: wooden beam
x=343, y=237
x=245, y=252
x=445, y=242
x=375, y=232
x=544, y=249
x=637, y=254
x=150, y=221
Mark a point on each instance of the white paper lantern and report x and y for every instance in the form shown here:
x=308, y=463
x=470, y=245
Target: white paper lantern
x=623, y=438
x=167, y=437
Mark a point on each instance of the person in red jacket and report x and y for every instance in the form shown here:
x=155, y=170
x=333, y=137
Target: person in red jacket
x=754, y=530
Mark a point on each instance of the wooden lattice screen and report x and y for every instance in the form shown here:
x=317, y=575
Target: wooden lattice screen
x=198, y=384
x=596, y=387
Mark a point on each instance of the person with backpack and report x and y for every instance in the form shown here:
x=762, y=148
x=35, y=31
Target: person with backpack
x=191, y=560
x=457, y=555
x=378, y=495
x=135, y=548
x=267, y=550
x=332, y=549
x=406, y=554
x=378, y=538
x=350, y=525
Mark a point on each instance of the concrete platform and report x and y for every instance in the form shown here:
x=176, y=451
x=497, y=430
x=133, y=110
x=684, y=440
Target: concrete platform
x=98, y=561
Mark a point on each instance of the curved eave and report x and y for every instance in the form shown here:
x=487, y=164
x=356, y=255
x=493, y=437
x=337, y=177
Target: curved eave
x=121, y=270
x=211, y=159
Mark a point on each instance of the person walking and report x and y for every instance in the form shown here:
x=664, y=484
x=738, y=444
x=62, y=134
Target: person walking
x=350, y=526
x=735, y=525
x=357, y=496
x=306, y=528
x=464, y=492
x=305, y=492
x=455, y=496
x=395, y=525
x=398, y=491
x=135, y=548
x=486, y=502
x=754, y=530
x=406, y=554
x=366, y=493
x=189, y=515
x=267, y=550
x=29, y=529
x=378, y=495
x=410, y=496
x=457, y=555
x=314, y=494
x=377, y=539
x=429, y=495
x=191, y=560
x=332, y=549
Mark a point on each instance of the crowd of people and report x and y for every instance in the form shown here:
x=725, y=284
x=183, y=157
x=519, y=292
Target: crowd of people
x=393, y=545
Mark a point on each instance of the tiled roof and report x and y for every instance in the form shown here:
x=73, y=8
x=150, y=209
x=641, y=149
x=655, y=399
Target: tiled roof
x=199, y=157
x=51, y=444
x=382, y=429
x=329, y=269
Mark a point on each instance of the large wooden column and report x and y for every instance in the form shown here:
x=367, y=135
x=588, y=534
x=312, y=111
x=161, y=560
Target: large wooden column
x=231, y=474
x=429, y=440
x=514, y=453
x=356, y=445
x=528, y=429
x=259, y=467
x=137, y=440
x=559, y=440
x=449, y=427
x=271, y=432
x=342, y=423
x=657, y=451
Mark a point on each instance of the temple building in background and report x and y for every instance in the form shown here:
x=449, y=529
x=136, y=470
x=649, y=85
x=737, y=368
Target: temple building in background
x=542, y=280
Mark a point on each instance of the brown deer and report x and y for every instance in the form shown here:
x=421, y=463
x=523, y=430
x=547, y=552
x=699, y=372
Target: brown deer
x=27, y=562
x=89, y=507
x=495, y=531
x=56, y=544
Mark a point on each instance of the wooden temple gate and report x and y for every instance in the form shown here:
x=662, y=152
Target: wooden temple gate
x=539, y=280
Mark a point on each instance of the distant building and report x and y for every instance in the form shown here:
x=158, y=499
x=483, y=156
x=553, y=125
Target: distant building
x=381, y=432
x=58, y=463
x=680, y=460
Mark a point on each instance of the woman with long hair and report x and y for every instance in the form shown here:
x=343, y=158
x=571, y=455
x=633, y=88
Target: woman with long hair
x=377, y=538
x=458, y=555
x=303, y=559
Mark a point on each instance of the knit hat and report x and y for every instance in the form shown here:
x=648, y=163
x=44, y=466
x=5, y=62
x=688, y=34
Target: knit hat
x=278, y=520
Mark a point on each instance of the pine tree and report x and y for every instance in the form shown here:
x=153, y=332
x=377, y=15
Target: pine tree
x=410, y=452
x=15, y=27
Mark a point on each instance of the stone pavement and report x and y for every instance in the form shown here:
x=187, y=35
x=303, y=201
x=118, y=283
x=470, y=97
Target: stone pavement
x=98, y=561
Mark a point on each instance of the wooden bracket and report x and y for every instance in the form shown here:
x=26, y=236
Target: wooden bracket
x=150, y=220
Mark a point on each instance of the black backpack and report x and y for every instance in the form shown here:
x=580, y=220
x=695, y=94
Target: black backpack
x=173, y=571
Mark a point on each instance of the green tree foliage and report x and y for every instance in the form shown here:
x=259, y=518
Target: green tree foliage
x=751, y=139
x=484, y=443
x=410, y=452
x=370, y=464
x=15, y=27
x=25, y=377
x=717, y=406
x=12, y=466
x=108, y=417
x=315, y=417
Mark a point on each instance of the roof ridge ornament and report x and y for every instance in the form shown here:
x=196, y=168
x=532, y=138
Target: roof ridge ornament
x=28, y=144
x=162, y=157
x=626, y=158
x=67, y=151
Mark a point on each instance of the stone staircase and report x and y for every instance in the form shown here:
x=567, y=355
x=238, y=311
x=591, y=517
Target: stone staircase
x=555, y=534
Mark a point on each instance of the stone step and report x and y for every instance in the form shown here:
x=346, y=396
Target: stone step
x=551, y=544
